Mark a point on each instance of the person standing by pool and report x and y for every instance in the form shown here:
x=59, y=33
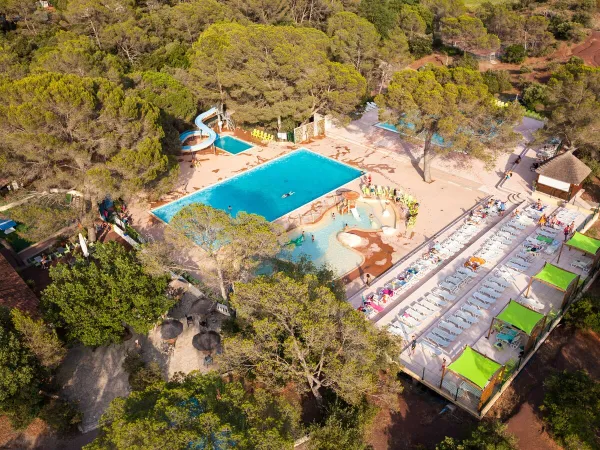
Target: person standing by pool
x=413, y=345
x=368, y=280
x=229, y=209
x=313, y=238
x=333, y=215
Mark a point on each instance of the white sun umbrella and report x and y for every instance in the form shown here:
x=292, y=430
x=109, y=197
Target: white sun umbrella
x=84, y=248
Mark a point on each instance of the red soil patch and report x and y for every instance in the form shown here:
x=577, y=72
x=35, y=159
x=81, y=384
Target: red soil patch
x=589, y=50
x=378, y=256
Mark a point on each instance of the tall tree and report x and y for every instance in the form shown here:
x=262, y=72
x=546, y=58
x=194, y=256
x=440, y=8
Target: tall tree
x=393, y=56
x=411, y=22
x=78, y=55
x=468, y=34
x=298, y=331
x=198, y=411
x=442, y=9
x=64, y=131
x=95, y=300
x=20, y=375
x=129, y=40
x=39, y=338
x=453, y=105
x=262, y=11
x=266, y=73
x=236, y=245
x=354, y=41
x=573, y=99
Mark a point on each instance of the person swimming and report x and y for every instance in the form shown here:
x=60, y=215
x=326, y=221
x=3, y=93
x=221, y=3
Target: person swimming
x=288, y=194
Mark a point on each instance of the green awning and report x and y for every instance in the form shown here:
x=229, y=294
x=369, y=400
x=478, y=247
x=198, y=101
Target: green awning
x=584, y=243
x=556, y=276
x=474, y=367
x=520, y=317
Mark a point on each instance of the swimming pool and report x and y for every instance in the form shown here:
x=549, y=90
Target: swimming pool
x=260, y=190
x=436, y=139
x=326, y=248
x=232, y=145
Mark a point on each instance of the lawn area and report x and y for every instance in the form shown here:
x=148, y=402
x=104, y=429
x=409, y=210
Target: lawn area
x=15, y=240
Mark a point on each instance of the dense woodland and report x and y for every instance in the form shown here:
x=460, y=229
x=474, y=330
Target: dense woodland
x=93, y=95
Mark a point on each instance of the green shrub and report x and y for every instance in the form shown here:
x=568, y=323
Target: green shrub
x=60, y=415
x=585, y=314
x=420, y=46
x=525, y=69
x=572, y=409
x=514, y=54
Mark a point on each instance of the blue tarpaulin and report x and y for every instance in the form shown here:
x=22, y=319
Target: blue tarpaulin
x=5, y=224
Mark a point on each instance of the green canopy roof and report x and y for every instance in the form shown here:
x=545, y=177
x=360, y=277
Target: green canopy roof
x=474, y=367
x=556, y=276
x=584, y=243
x=518, y=316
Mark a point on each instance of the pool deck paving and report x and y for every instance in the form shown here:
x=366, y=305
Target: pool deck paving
x=458, y=185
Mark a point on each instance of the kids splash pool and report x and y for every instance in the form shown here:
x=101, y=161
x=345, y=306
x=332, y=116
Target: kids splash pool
x=326, y=248
x=263, y=190
x=232, y=145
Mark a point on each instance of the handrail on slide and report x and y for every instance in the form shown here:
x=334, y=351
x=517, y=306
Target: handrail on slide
x=203, y=130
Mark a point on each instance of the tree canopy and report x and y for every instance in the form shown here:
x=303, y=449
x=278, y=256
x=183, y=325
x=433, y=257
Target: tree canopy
x=453, y=105
x=200, y=411
x=236, y=245
x=95, y=300
x=298, y=331
x=487, y=436
x=266, y=73
x=66, y=131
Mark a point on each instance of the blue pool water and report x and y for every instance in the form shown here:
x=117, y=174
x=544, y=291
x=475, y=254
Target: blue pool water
x=259, y=190
x=436, y=139
x=232, y=145
x=326, y=249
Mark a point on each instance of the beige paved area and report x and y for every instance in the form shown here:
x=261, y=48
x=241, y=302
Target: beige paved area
x=427, y=359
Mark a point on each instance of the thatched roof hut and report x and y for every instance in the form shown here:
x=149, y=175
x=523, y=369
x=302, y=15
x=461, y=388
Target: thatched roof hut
x=170, y=329
x=562, y=175
x=207, y=341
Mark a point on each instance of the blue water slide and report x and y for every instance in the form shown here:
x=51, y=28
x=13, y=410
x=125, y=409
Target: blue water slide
x=202, y=131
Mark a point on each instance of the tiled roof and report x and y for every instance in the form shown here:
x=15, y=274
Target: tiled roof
x=14, y=292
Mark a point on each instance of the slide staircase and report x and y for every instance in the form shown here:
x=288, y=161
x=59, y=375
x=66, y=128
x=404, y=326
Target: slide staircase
x=203, y=130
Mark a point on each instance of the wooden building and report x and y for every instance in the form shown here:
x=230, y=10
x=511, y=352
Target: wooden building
x=562, y=176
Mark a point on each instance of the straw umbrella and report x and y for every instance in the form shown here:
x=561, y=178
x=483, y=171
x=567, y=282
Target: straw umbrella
x=207, y=341
x=170, y=329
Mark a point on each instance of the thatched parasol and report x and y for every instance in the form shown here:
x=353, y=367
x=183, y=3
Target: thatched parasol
x=206, y=341
x=351, y=195
x=202, y=306
x=170, y=329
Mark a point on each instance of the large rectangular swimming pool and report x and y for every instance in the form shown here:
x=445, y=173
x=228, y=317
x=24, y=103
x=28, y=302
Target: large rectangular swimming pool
x=260, y=190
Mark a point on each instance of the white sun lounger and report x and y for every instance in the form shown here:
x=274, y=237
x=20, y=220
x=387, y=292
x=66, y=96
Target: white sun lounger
x=467, y=317
x=510, y=230
x=517, y=224
x=471, y=309
x=500, y=281
x=490, y=293
x=531, y=302
x=435, y=300
x=454, y=280
x=425, y=311
x=416, y=314
x=443, y=294
x=435, y=351
x=460, y=323
x=437, y=340
x=466, y=272
x=450, y=327
x=518, y=267
x=428, y=305
x=491, y=284
x=408, y=320
x=452, y=288
x=478, y=303
x=483, y=297
x=443, y=334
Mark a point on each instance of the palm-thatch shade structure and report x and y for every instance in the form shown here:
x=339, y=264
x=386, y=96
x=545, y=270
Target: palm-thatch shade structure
x=562, y=176
x=202, y=306
x=170, y=329
x=206, y=341
x=561, y=279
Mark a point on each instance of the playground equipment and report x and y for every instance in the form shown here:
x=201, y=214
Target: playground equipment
x=204, y=130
